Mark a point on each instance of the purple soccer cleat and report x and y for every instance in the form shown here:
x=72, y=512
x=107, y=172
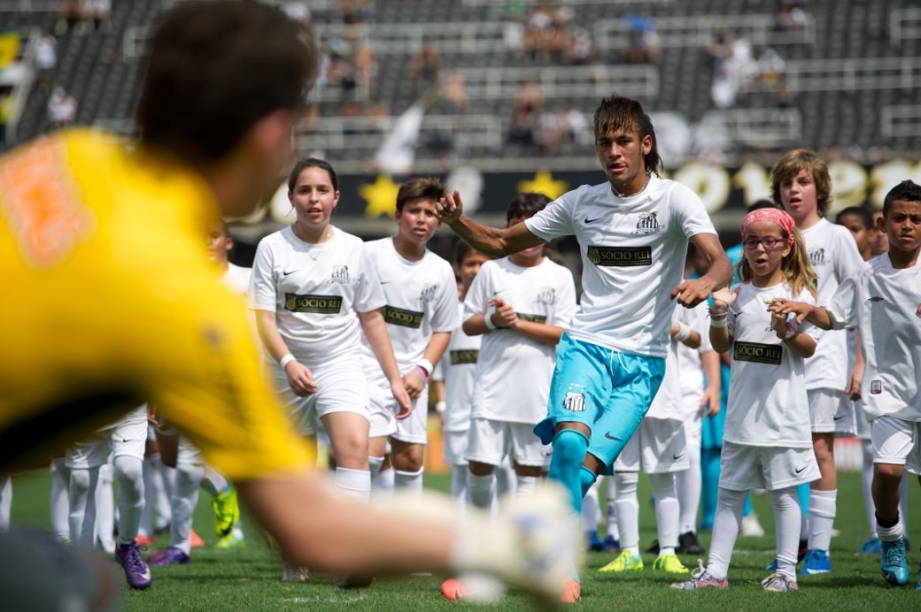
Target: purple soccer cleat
x=170, y=556
x=136, y=571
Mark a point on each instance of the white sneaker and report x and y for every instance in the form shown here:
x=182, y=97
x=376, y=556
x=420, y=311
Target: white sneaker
x=295, y=574
x=751, y=527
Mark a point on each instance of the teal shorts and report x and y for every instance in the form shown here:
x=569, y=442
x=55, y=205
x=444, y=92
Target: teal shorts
x=606, y=390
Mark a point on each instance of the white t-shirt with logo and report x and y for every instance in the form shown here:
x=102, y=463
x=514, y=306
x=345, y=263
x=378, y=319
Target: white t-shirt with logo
x=236, y=278
x=690, y=367
x=512, y=378
x=882, y=301
x=420, y=299
x=456, y=369
x=767, y=403
x=315, y=291
x=834, y=257
x=633, y=252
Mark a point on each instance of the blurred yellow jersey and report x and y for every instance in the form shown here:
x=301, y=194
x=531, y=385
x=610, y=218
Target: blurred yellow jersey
x=111, y=300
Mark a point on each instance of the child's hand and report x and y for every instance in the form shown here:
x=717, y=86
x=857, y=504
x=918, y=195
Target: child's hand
x=721, y=301
x=780, y=306
x=779, y=324
x=504, y=315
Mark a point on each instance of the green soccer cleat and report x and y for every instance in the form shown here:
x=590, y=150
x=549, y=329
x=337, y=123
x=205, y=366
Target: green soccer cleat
x=232, y=540
x=226, y=511
x=624, y=562
x=670, y=564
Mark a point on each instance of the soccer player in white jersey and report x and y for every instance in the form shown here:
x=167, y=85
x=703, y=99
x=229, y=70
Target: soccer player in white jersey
x=699, y=383
x=658, y=448
x=315, y=289
x=455, y=376
x=801, y=183
x=420, y=312
x=767, y=441
x=633, y=232
x=124, y=440
x=884, y=301
x=191, y=470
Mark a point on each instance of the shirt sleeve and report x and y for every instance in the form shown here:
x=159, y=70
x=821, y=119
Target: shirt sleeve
x=444, y=315
x=555, y=219
x=565, y=306
x=848, y=261
x=476, y=300
x=843, y=306
x=688, y=210
x=262, y=294
x=697, y=319
x=369, y=295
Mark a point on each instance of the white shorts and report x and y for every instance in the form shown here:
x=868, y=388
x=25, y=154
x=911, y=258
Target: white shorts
x=897, y=441
x=127, y=436
x=693, y=424
x=744, y=467
x=341, y=387
x=659, y=446
x=188, y=453
x=382, y=410
x=861, y=420
x=831, y=411
x=455, y=446
x=492, y=441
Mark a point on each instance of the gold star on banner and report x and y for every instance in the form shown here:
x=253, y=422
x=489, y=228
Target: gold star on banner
x=381, y=196
x=544, y=183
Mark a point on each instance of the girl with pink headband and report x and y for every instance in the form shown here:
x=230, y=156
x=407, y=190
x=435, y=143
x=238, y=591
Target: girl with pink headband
x=767, y=440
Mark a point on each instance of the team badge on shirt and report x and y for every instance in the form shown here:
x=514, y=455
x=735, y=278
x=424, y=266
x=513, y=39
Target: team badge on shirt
x=340, y=274
x=648, y=223
x=817, y=257
x=428, y=292
x=547, y=295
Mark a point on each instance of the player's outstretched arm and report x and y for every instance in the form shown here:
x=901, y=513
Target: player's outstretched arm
x=803, y=311
x=493, y=241
x=692, y=292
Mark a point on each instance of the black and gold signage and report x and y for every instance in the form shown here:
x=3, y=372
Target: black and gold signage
x=320, y=304
x=464, y=357
x=771, y=354
x=620, y=256
x=403, y=318
x=533, y=318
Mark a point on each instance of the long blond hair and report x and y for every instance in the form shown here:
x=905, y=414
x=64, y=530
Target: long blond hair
x=795, y=266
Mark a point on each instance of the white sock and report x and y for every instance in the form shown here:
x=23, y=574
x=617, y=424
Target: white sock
x=105, y=509
x=866, y=485
x=526, y=484
x=890, y=534
x=6, y=501
x=505, y=479
x=354, y=483
x=184, y=501
x=590, y=509
x=82, y=500
x=387, y=480
x=459, y=482
x=374, y=466
x=60, y=507
x=130, y=496
x=611, y=510
x=667, y=510
x=787, y=516
x=726, y=525
x=628, y=511
x=480, y=490
x=821, y=518
x=213, y=481
x=689, y=486
x=409, y=481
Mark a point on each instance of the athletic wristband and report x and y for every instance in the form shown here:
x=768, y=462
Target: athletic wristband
x=284, y=361
x=426, y=365
x=423, y=374
x=440, y=406
x=788, y=332
x=683, y=332
x=718, y=323
x=487, y=320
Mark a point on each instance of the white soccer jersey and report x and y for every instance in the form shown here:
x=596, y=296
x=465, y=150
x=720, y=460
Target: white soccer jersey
x=420, y=299
x=882, y=302
x=690, y=368
x=513, y=372
x=633, y=253
x=315, y=291
x=236, y=278
x=667, y=402
x=834, y=257
x=457, y=368
x=767, y=403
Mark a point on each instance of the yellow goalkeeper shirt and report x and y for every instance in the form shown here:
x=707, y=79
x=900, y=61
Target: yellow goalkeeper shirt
x=110, y=300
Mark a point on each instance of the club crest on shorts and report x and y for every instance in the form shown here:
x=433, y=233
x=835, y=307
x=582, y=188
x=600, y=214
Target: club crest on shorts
x=575, y=399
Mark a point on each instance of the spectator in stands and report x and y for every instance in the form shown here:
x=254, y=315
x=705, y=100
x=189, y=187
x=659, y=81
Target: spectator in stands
x=356, y=11
x=791, y=16
x=547, y=36
x=365, y=65
x=97, y=11
x=46, y=59
x=453, y=89
x=642, y=41
x=580, y=49
x=561, y=129
x=340, y=74
x=526, y=112
x=425, y=65
x=771, y=68
x=62, y=108
x=733, y=67
x=69, y=16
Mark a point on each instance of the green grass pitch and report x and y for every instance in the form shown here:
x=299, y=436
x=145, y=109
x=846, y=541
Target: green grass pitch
x=248, y=579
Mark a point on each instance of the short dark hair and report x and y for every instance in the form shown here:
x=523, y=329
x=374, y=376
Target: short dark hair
x=526, y=205
x=865, y=216
x=762, y=203
x=616, y=113
x=312, y=162
x=427, y=187
x=214, y=68
x=906, y=190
